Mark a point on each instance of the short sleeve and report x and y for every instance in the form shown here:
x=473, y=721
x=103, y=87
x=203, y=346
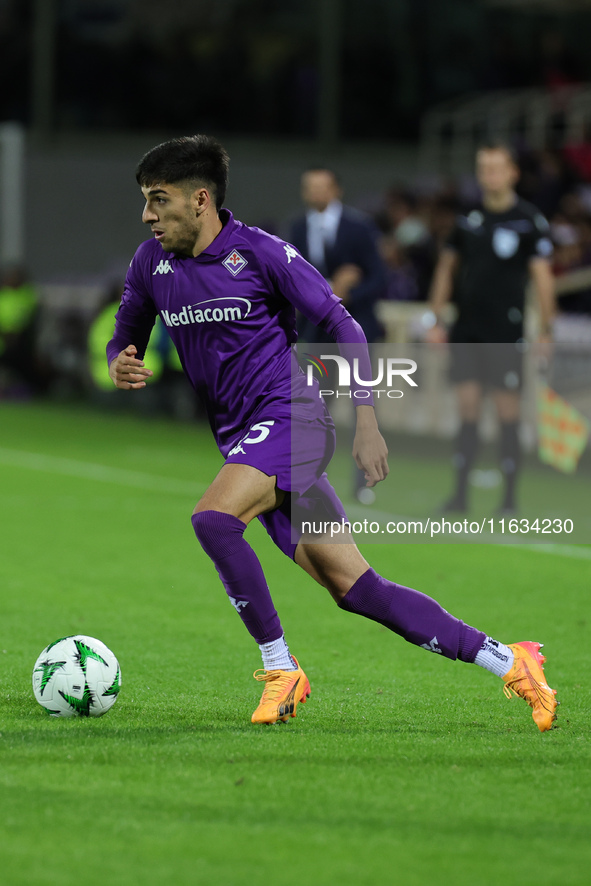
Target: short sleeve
x=540, y=245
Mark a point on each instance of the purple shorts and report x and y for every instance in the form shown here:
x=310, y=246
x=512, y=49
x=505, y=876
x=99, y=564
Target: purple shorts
x=297, y=451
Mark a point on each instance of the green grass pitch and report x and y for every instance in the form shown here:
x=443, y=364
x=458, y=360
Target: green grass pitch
x=403, y=768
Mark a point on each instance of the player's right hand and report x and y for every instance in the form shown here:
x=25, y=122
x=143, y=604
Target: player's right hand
x=127, y=372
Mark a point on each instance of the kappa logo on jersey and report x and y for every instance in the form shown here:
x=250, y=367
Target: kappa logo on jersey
x=238, y=604
x=290, y=253
x=234, y=262
x=164, y=267
x=432, y=646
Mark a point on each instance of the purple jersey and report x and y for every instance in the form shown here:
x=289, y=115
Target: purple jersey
x=230, y=312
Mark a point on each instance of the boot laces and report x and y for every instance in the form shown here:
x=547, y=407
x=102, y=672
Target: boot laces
x=276, y=682
x=525, y=686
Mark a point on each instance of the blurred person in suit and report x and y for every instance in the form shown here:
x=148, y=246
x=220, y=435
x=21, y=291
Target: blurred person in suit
x=341, y=243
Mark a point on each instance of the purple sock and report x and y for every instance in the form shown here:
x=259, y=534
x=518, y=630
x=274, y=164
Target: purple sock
x=416, y=617
x=221, y=537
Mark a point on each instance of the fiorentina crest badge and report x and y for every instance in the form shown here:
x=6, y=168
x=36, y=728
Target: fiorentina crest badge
x=234, y=262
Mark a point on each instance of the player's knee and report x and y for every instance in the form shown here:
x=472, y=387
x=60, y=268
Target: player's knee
x=217, y=532
x=335, y=583
x=337, y=590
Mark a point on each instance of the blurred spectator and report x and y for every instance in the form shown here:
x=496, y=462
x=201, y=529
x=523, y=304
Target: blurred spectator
x=408, y=246
x=342, y=244
x=544, y=180
x=585, y=235
x=568, y=251
x=403, y=219
x=444, y=208
x=18, y=313
x=100, y=331
x=169, y=391
x=578, y=158
x=401, y=279
x=572, y=245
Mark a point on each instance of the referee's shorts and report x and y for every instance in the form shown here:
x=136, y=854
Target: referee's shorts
x=494, y=366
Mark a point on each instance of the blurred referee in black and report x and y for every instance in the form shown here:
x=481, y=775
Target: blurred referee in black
x=485, y=265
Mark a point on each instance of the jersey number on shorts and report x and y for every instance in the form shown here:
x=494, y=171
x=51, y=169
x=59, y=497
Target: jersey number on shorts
x=262, y=428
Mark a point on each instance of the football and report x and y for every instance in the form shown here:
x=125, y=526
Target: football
x=76, y=676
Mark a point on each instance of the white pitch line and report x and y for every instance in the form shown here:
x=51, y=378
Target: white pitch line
x=575, y=552
x=85, y=470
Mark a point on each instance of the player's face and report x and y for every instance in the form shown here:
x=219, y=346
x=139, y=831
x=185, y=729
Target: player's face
x=170, y=212
x=496, y=171
x=319, y=188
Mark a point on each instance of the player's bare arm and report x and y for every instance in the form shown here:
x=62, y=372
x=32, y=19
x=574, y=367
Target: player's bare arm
x=541, y=275
x=127, y=371
x=369, y=447
x=441, y=291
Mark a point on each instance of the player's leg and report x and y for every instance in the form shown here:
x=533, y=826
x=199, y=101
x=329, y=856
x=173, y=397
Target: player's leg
x=469, y=400
x=422, y=621
x=240, y=490
x=356, y=587
x=239, y=493
x=507, y=404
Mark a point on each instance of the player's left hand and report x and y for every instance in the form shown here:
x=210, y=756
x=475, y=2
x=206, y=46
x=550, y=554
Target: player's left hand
x=371, y=454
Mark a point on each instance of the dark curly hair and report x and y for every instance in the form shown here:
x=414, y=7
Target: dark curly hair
x=192, y=159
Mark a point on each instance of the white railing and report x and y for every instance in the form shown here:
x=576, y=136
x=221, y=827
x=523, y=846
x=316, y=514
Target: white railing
x=451, y=132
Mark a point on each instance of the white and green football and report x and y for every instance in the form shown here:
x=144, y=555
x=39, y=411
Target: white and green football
x=76, y=676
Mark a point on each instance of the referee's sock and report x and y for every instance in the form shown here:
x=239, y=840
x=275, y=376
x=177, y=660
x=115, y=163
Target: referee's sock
x=510, y=454
x=466, y=447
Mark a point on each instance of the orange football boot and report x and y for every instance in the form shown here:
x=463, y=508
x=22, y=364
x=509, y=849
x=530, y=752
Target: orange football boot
x=527, y=680
x=281, y=695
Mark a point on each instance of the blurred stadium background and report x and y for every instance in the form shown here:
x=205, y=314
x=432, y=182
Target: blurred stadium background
x=394, y=94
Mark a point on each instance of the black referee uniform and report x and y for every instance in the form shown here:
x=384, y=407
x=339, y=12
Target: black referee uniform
x=494, y=251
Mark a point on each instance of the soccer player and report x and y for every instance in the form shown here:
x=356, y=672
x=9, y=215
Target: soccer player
x=228, y=295
x=486, y=264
